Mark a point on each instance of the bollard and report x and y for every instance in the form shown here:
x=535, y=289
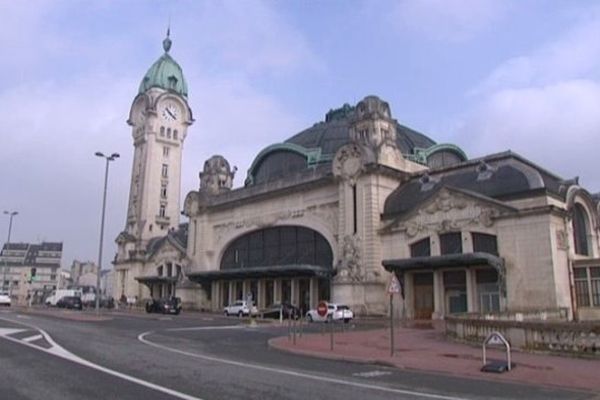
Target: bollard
x=331, y=333
x=294, y=331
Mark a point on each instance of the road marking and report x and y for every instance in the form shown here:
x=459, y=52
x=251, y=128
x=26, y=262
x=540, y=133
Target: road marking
x=58, y=351
x=23, y=316
x=10, y=331
x=32, y=338
x=371, y=374
x=141, y=338
x=207, y=328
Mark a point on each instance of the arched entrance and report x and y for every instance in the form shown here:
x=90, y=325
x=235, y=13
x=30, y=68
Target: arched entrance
x=278, y=264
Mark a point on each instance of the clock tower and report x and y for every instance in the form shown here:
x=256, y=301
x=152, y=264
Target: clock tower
x=159, y=119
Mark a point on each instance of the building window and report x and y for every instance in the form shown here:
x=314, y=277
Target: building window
x=165, y=151
x=160, y=271
x=161, y=211
x=162, y=131
x=488, y=290
x=587, y=286
x=422, y=248
x=278, y=246
x=163, y=191
x=580, y=230
x=484, y=243
x=451, y=243
x=175, y=134
x=168, y=133
x=165, y=170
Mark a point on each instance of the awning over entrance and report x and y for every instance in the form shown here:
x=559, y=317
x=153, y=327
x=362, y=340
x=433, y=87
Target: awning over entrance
x=449, y=261
x=149, y=280
x=276, y=271
x=445, y=261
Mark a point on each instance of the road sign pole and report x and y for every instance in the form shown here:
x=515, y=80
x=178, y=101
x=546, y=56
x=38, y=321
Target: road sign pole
x=391, y=324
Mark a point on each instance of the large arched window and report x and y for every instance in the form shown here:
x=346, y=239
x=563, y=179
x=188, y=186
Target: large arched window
x=284, y=245
x=581, y=227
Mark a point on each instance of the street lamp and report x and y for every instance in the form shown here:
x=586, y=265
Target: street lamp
x=112, y=157
x=11, y=214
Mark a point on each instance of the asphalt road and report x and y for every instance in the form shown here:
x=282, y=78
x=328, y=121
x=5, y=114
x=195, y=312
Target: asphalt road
x=201, y=356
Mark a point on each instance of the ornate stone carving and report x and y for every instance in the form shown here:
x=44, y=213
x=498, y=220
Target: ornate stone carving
x=562, y=240
x=257, y=222
x=444, y=202
x=349, y=265
x=217, y=175
x=348, y=162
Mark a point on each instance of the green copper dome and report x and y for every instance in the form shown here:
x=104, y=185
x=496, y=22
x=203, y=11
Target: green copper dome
x=165, y=73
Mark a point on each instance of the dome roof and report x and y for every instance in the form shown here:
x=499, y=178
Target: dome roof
x=165, y=73
x=318, y=144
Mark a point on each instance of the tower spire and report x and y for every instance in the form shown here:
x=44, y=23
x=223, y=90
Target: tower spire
x=167, y=42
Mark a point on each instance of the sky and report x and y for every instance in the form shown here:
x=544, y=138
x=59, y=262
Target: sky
x=486, y=75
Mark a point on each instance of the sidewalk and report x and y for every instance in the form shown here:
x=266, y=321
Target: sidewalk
x=428, y=350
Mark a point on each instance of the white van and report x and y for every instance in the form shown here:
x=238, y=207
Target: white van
x=59, y=294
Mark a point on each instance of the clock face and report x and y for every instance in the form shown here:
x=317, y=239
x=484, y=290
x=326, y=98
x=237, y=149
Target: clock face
x=170, y=112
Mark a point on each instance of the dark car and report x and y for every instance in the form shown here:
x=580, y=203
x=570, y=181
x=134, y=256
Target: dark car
x=283, y=310
x=171, y=305
x=71, y=302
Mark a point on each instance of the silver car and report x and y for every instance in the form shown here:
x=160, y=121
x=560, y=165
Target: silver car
x=5, y=299
x=240, y=308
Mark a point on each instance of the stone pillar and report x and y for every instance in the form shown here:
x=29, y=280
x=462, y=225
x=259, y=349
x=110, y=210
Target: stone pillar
x=260, y=301
x=438, y=295
x=314, y=292
x=294, y=296
x=472, y=303
x=277, y=289
x=214, y=298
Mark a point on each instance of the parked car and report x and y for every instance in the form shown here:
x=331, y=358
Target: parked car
x=170, y=305
x=335, y=312
x=240, y=308
x=5, y=299
x=71, y=302
x=286, y=310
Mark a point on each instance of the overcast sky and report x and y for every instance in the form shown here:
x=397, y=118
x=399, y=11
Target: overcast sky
x=486, y=75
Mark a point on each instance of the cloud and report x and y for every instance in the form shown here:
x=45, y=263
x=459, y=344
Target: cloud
x=66, y=90
x=544, y=105
x=448, y=20
x=235, y=121
x=574, y=54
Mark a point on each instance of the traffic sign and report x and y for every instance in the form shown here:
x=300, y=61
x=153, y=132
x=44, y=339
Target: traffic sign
x=394, y=286
x=322, y=309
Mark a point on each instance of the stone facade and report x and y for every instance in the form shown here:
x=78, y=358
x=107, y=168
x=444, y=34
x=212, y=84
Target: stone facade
x=331, y=211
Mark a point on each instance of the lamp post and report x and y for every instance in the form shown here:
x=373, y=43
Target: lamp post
x=10, y=214
x=108, y=159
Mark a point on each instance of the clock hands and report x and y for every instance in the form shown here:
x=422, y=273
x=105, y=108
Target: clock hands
x=170, y=113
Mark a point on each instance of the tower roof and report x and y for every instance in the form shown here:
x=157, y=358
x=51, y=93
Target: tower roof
x=165, y=73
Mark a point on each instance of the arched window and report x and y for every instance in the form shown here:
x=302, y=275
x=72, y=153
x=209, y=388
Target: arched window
x=285, y=245
x=580, y=230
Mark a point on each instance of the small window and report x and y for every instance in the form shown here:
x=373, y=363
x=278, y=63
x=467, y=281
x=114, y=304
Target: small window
x=451, y=243
x=162, y=131
x=422, y=248
x=163, y=191
x=165, y=151
x=162, y=210
x=484, y=243
x=168, y=133
x=175, y=134
x=165, y=170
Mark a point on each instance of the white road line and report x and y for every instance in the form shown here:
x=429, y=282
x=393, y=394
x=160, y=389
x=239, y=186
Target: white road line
x=207, y=328
x=10, y=331
x=58, y=351
x=32, y=338
x=295, y=373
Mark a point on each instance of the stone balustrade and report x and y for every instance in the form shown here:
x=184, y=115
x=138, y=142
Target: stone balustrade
x=527, y=333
